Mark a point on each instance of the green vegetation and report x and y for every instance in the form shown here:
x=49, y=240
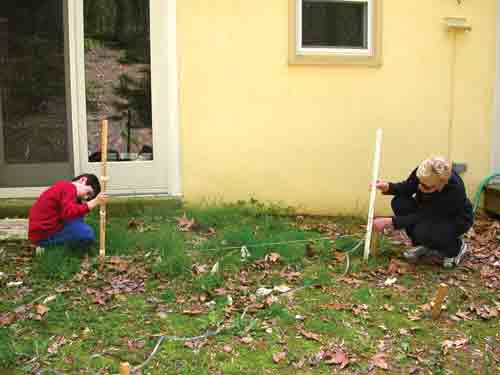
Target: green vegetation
x=177, y=271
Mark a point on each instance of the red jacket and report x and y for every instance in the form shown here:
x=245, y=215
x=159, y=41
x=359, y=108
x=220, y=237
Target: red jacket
x=55, y=205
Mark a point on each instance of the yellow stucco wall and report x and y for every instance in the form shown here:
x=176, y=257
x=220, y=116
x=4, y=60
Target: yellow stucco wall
x=253, y=125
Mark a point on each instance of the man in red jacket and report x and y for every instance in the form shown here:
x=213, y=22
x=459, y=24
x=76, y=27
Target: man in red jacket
x=56, y=218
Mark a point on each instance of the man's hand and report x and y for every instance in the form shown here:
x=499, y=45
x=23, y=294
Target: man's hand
x=97, y=201
x=382, y=222
x=381, y=185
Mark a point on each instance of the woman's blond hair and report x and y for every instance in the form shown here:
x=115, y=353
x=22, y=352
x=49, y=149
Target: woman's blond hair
x=434, y=170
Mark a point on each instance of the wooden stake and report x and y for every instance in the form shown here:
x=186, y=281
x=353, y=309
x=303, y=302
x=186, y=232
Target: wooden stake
x=104, y=180
x=124, y=368
x=438, y=300
x=373, y=193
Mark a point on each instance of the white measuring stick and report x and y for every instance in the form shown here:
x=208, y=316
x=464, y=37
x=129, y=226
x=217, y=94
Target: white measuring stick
x=373, y=193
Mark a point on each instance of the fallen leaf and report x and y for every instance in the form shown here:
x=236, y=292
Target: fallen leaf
x=390, y=281
x=7, y=319
x=300, y=364
x=54, y=347
x=272, y=257
x=378, y=360
x=41, y=309
x=195, y=310
x=339, y=358
x=244, y=252
x=200, y=268
x=246, y=340
x=455, y=344
x=262, y=292
x=215, y=268
x=184, y=224
x=388, y=307
x=337, y=306
x=49, y=299
x=14, y=284
x=310, y=335
x=282, y=288
x=358, y=309
x=278, y=357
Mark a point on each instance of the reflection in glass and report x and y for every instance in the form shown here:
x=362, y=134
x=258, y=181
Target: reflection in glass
x=33, y=118
x=32, y=81
x=118, y=78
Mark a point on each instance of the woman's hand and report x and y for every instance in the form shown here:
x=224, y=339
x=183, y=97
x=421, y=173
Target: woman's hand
x=380, y=223
x=381, y=185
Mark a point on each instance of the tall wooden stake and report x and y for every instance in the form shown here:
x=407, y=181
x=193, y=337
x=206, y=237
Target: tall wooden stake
x=438, y=300
x=373, y=193
x=104, y=180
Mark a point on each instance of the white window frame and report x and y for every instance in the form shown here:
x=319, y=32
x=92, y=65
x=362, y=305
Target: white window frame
x=369, y=51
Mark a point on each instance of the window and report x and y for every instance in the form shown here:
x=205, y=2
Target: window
x=335, y=31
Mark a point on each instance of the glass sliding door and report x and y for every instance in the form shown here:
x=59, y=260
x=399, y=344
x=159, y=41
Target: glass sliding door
x=118, y=78
x=123, y=60
x=35, y=133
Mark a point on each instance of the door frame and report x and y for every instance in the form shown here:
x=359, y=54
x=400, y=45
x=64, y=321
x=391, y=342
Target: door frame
x=495, y=140
x=164, y=19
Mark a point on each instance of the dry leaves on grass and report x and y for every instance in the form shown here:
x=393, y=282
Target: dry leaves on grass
x=331, y=354
x=337, y=306
x=351, y=281
x=485, y=312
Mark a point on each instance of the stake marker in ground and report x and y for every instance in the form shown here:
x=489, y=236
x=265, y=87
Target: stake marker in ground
x=373, y=193
x=438, y=300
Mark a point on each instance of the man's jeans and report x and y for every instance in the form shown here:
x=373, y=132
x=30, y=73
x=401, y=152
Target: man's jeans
x=75, y=233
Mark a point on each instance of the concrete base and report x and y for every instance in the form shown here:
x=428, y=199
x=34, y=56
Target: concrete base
x=492, y=199
x=13, y=229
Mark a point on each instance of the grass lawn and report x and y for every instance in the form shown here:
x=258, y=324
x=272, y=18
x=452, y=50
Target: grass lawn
x=286, y=307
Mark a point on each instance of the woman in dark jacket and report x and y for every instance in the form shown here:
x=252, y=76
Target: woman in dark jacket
x=433, y=208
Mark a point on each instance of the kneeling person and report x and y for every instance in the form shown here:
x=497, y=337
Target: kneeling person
x=56, y=218
x=433, y=208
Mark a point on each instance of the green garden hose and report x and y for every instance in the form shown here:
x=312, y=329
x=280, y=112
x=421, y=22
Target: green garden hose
x=484, y=183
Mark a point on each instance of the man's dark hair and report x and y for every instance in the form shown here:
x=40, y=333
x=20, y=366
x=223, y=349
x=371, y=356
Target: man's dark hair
x=92, y=181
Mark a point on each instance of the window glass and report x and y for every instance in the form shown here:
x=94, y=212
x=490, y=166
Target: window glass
x=334, y=24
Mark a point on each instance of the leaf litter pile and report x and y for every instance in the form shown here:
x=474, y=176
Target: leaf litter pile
x=250, y=309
